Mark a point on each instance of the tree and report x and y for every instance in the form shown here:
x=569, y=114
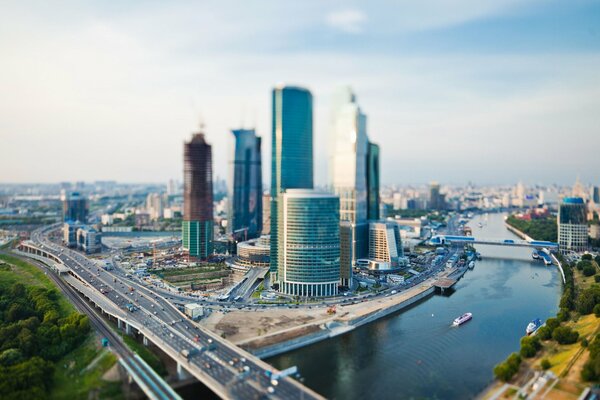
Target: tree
x=565, y=335
x=587, y=257
x=589, y=270
x=545, y=364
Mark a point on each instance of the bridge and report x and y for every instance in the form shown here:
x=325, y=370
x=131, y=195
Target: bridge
x=441, y=240
x=226, y=369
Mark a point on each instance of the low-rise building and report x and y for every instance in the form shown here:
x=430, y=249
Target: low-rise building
x=194, y=310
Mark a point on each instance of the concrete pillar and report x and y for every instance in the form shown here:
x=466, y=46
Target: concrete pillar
x=145, y=341
x=182, y=373
x=127, y=328
x=119, y=324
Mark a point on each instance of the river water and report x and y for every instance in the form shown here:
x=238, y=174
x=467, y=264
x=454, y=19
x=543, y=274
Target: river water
x=417, y=354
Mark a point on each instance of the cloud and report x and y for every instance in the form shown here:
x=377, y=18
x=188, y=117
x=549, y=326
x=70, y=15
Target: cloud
x=348, y=21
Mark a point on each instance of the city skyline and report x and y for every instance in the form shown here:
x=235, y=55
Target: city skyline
x=114, y=81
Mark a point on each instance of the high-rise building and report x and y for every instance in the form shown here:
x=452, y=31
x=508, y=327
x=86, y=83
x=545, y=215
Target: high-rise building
x=75, y=207
x=437, y=201
x=309, y=243
x=385, y=244
x=373, y=181
x=292, y=153
x=155, y=205
x=572, y=225
x=595, y=194
x=197, y=229
x=348, y=177
x=245, y=185
x=266, y=205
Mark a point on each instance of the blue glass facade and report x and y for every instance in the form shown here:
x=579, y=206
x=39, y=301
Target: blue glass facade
x=292, y=152
x=373, y=181
x=309, y=251
x=245, y=185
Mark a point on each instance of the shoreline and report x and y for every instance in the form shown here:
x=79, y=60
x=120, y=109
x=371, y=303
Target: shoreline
x=351, y=317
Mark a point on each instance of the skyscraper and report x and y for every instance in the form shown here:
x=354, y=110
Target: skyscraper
x=245, y=184
x=75, y=207
x=309, y=240
x=385, y=244
x=373, y=181
x=292, y=153
x=572, y=224
x=348, y=177
x=437, y=201
x=197, y=229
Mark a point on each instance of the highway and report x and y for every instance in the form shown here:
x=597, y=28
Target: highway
x=155, y=387
x=228, y=370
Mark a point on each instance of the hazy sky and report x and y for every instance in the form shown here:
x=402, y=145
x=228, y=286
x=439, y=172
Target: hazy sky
x=487, y=91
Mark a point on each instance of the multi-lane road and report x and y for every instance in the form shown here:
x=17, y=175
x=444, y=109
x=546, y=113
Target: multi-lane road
x=226, y=369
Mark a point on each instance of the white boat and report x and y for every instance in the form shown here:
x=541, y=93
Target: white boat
x=472, y=265
x=462, y=319
x=533, y=326
x=535, y=255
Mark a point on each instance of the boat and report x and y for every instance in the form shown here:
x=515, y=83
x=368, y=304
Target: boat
x=462, y=319
x=478, y=255
x=472, y=265
x=533, y=326
x=535, y=255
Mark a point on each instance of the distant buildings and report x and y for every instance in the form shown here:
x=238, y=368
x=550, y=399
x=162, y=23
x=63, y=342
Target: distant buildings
x=197, y=226
x=75, y=207
x=437, y=201
x=292, y=154
x=245, y=185
x=83, y=237
x=155, y=205
x=309, y=243
x=266, y=210
x=572, y=225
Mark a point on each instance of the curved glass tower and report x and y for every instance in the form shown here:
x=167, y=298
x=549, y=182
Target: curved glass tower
x=292, y=153
x=309, y=238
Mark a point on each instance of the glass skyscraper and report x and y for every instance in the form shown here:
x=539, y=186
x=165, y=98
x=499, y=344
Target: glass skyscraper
x=245, y=185
x=292, y=153
x=309, y=243
x=373, y=181
x=348, y=177
x=197, y=226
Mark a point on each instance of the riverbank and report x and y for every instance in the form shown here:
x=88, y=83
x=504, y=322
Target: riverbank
x=270, y=332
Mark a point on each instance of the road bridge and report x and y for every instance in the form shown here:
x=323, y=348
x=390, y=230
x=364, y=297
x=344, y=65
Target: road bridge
x=227, y=370
x=441, y=240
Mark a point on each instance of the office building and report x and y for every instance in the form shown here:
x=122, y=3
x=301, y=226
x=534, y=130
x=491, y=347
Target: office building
x=373, y=181
x=572, y=225
x=385, y=244
x=309, y=243
x=348, y=177
x=155, y=205
x=197, y=229
x=252, y=253
x=89, y=239
x=75, y=207
x=292, y=153
x=595, y=194
x=437, y=201
x=70, y=233
x=245, y=186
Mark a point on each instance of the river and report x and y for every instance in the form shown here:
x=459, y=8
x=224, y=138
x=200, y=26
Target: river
x=417, y=354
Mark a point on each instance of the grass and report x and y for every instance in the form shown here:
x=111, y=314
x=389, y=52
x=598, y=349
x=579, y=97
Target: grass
x=151, y=359
x=30, y=275
x=69, y=381
x=73, y=381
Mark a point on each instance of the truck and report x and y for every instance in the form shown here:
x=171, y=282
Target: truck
x=130, y=307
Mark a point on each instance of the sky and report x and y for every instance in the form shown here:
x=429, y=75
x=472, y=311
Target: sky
x=490, y=92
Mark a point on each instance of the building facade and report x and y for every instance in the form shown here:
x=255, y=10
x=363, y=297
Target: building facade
x=385, y=244
x=89, y=239
x=292, y=153
x=197, y=226
x=437, y=201
x=373, y=182
x=244, y=186
x=309, y=243
x=75, y=207
x=348, y=176
x=266, y=210
x=572, y=225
